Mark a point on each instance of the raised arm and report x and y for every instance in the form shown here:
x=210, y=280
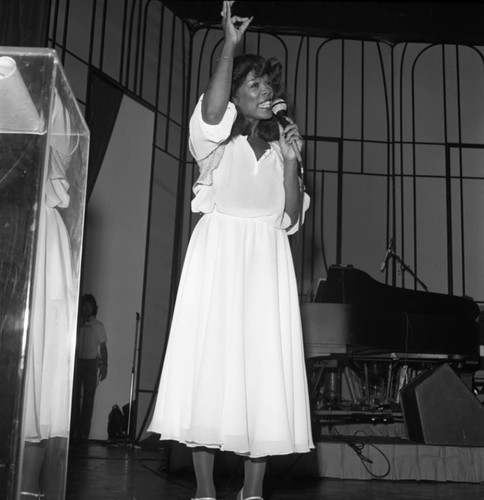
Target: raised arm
x=217, y=94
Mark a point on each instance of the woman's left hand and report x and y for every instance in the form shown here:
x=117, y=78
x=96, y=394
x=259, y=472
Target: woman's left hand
x=290, y=140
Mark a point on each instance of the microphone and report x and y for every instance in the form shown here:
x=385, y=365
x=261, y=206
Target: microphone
x=279, y=109
x=387, y=255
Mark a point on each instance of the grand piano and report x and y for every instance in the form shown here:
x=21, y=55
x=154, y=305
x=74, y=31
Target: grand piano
x=354, y=314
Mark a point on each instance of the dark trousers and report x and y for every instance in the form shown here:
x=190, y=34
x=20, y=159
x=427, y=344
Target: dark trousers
x=85, y=384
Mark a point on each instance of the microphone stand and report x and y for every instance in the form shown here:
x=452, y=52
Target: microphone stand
x=128, y=440
x=404, y=267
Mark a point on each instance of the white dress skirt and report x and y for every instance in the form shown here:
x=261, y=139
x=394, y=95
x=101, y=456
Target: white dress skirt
x=234, y=374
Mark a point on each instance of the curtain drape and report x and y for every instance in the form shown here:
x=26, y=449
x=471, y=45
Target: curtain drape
x=102, y=110
x=24, y=23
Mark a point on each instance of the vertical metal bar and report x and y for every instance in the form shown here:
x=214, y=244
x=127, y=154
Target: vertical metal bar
x=339, y=230
x=54, y=26
x=182, y=175
x=64, y=34
x=305, y=155
x=391, y=154
x=414, y=168
x=339, y=211
x=461, y=172
x=448, y=185
x=448, y=190
x=123, y=42
x=45, y=41
x=137, y=52
x=298, y=236
x=402, y=176
x=322, y=221
x=390, y=176
x=298, y=61
x=311, y=222
x=316, y=144
x=91, y=46
x=143, y=47
x=130, y=43
x=362, y=107
x=170, y=83
x=315, y=132
x=103, y=35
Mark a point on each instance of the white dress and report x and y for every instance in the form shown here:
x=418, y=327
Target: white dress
x=234, y=372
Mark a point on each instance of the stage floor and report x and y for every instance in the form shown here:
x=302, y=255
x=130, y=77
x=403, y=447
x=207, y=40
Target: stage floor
x=100, y=472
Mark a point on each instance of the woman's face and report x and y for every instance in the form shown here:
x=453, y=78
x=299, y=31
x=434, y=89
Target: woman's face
x=254, y=98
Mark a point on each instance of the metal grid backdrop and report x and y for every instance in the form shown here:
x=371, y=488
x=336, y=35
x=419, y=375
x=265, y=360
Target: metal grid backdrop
x=394, y=135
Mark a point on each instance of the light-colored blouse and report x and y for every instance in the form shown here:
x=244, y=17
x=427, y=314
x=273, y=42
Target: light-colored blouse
x=232, y=181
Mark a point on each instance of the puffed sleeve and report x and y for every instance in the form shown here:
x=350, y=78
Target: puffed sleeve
x=300, y=221
x=285, y=221
x=205, y=138
x=207, y=143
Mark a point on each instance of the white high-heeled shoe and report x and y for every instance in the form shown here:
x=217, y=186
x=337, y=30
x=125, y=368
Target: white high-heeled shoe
x=240, y=496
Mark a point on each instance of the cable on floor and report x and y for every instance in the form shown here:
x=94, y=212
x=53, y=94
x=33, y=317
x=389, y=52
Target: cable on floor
x=357, y=444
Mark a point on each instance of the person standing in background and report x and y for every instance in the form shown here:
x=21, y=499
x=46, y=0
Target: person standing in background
x=91, y=366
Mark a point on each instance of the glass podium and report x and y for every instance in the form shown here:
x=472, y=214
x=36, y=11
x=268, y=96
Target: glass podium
x=44, y=145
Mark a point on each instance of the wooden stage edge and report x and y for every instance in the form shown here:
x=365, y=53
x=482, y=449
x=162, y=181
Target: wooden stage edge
x=358, y=458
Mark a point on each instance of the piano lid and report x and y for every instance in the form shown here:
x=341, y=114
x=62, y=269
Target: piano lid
x=349, y=285
x=355, y=314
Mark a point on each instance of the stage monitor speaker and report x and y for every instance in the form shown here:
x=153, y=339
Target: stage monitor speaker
x=439, y=409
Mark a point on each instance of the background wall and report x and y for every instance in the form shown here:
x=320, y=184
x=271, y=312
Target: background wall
x=394, y=138
x=114, y=250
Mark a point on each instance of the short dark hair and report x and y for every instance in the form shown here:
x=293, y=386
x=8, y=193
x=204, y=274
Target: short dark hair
x=90, y=300
x=268, y=130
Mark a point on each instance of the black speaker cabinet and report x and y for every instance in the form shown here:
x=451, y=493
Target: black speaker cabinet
x=438, y=408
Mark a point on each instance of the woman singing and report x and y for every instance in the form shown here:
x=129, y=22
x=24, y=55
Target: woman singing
x=234, y=374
